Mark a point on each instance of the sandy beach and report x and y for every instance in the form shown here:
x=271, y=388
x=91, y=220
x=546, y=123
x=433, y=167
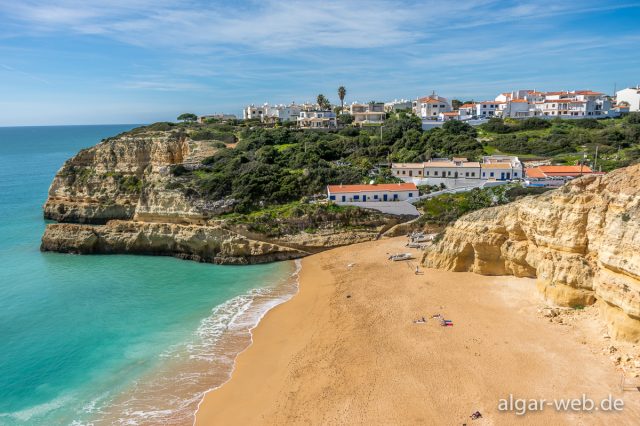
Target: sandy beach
x=346, y=350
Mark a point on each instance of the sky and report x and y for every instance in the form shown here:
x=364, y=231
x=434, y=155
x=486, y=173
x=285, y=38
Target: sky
x=141, y=61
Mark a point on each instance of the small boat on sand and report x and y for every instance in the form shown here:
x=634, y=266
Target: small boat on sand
x=401, y=256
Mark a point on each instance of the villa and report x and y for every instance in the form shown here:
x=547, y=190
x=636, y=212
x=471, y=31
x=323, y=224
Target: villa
x=371, y=113
x=428, y=108
x=318, y=119
x=630, y=96
x=372, y=193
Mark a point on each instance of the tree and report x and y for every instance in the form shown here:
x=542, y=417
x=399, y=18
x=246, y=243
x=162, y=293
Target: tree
x=342, y=92
x=323, y=102
x=455, y=103
x=187, y=117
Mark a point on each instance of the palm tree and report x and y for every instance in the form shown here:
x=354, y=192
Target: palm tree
x=322, y=101
x=342, y=92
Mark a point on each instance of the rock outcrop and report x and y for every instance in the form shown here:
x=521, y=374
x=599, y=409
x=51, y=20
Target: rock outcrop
x=121, y=196
x=581, y=242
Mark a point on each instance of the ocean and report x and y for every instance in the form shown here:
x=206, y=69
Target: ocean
x=110, y=339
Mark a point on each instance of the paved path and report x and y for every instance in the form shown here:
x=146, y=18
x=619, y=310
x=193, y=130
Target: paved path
x=392, y=207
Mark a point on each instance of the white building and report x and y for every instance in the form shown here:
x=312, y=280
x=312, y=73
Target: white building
x=398, y=105
x=252, y=112
x=317, y=120
x=488, y=109
x=428, y=108
x=372, y=193
x=371, y=113
x=494, y=167
x=631, y=96
x=449, y=116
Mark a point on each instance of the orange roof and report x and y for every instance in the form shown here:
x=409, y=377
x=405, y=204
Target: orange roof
x=336, y=189
x=451, y=114
x=557, y=171
x=429, y=101
x=535, y=172
x=563, y=101
x=492, y=102
x=467, y=105
x=520, y=101
x=587, y=92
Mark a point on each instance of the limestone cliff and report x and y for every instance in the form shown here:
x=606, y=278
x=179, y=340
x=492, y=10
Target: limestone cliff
x=581, y=241
x=120, y=196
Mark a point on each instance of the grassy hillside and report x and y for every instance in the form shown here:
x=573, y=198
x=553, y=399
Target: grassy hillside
x=258, y=166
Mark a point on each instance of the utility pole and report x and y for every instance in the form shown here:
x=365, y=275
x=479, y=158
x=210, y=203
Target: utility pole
x=595, y=161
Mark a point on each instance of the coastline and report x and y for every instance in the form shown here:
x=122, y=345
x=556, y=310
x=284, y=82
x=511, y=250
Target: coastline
x=345, y=350
x=171, y=391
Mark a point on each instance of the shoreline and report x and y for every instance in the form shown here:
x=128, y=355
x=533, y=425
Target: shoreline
x=171, y=391
x=296, y=274
x=345, y=350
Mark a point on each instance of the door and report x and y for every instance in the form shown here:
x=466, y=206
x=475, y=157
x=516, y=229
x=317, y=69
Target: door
x=384, y=197
x=502, y=176
x=364, y=198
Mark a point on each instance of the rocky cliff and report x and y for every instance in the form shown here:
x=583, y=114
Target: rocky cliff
x=581, y=242
x=120, y=196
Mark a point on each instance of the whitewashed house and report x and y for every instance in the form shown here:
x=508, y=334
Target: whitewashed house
x=252, y=112
x=428, y=108
x=320, y=119
x=371, y=193
x=501, y=167
x=488, y=109
x=631, y=96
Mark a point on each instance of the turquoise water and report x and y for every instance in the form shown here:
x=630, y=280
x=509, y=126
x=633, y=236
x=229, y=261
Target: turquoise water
x=77, y=331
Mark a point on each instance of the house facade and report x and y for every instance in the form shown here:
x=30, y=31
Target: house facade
x=496, y=167
x=428, y=108
x=371, y=193
x=371, y=113
x=318, y=119
x=554, y=176
x=631, y=96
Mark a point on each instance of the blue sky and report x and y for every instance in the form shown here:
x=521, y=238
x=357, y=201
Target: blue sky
x=136, y=61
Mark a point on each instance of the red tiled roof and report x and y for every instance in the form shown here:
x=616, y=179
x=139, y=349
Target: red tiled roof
x=336, y=189
x=557, y=171
x=429, y=101
x=467, y=105
x=520, y=101
x=451, y=114
x=587, y=92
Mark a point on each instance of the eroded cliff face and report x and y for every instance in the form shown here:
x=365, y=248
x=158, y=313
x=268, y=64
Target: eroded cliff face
x=582, y=243
x=117, y=197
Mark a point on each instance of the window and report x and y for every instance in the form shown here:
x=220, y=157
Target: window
x=449, y=173
x=484, y=106
x=332, y=197
x=491, y=175
x=484, y=174
x=404, y=172
x=466, y=174
x=435, y=173
x=410, y=194
x=441, y=106
x=515, y=174
x=419, y=172
x=473, y=174
x=375, y=197
x=357, y=197
x=427, y=173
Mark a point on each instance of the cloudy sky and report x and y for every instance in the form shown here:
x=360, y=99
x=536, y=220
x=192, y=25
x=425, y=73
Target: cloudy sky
x=138, y=61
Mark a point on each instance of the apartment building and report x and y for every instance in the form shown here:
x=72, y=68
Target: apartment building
x=318, y=119
x=371, y=113
x=429, y=107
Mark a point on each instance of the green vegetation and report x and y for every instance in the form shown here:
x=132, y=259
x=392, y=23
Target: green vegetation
x=187, y=117
x=296, y=216
x=567, y=141
x=272, y=166
x=446, y=208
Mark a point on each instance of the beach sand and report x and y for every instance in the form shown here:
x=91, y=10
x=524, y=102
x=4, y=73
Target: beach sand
x=345, y=350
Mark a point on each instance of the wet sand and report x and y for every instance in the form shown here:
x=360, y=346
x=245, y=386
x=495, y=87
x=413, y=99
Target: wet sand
x=346, y=350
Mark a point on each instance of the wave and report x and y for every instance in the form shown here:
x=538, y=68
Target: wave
x=172, y=393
